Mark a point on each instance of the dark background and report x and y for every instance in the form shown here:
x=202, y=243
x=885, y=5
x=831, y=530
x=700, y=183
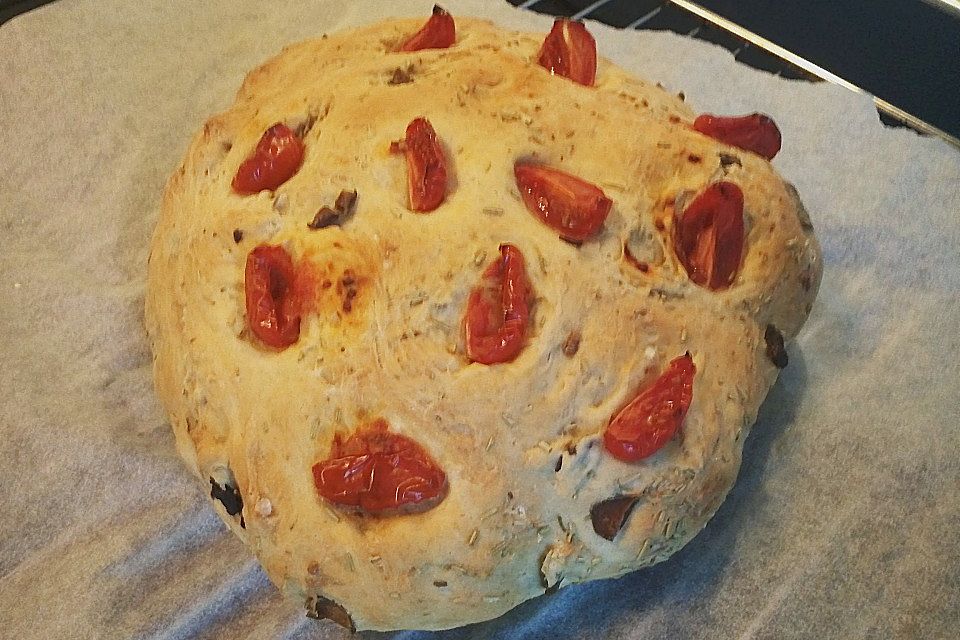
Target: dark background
x=906, y=52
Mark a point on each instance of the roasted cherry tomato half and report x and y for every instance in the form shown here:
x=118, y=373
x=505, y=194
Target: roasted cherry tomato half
x=708, y=236
x=574, y=207
x=379, y=472
x=438, y=33
x=495, y=322
x=272, y=301
x=756, y=132
x=426, y=166
x=652, y=418
x=570, y=51
x=277, y=157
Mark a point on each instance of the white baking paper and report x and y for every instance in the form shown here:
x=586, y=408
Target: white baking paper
x=843, y=524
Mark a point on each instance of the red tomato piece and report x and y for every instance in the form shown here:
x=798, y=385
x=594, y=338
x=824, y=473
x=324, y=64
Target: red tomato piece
x=755, y=132
x=381, y=473
x=438, y=33
x=652, y=418
x=426, y=166
x=570, y=51
x=273, y=304
x=495, y=322
x=708, y=236
x=574, y=207
x=275, y=160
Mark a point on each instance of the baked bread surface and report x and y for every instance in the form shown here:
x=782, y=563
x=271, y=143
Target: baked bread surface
x=520, y=442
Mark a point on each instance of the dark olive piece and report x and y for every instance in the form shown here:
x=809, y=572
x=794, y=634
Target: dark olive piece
x=325, y=217
x=609, y=516
x=342, y=208
x=401, y=76
x=346, y=201
x=728, y=160
x=321, y=608
x=228, y=496
x=775, y=349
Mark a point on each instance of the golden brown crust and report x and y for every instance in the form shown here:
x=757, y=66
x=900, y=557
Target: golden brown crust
x=519, y=442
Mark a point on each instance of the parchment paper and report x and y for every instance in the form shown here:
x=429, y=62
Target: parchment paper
x=844, y=522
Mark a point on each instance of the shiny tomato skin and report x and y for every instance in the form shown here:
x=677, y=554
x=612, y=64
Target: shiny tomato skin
x=495, y=322
x=573, y=207
x=378, y=472
x=272, y=301
x=570, y=51
x=654, y=416
x=343, y=480
x=426, y=166
x=276, y=159
x=708, y=236
x=755, y=132
x=439, y=32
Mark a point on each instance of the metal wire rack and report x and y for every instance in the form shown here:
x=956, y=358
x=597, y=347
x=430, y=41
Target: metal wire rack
x=695, y=20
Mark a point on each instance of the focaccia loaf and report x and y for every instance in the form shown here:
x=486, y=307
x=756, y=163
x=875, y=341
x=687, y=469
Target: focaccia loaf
x=531, y=498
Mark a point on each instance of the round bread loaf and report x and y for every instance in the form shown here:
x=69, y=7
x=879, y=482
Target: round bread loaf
x=526, y=495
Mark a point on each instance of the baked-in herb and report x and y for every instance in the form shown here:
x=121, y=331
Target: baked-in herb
x=237, y=235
